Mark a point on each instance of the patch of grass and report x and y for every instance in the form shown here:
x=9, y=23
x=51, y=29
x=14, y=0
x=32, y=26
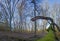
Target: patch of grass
x=48, y=37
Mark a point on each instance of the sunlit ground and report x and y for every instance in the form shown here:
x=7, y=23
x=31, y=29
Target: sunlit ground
x=48, y=37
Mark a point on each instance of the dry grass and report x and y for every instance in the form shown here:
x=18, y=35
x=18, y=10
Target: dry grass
x=58, y=34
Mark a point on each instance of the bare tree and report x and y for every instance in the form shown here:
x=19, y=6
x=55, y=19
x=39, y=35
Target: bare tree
x=21, y=7
x=9, y=10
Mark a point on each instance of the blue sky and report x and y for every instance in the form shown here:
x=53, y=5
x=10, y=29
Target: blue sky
x=53, y=1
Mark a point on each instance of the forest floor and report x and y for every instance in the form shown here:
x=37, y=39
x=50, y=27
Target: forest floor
x=13, y=36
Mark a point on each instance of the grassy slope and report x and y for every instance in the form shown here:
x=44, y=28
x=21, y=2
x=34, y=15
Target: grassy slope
x=48, y=37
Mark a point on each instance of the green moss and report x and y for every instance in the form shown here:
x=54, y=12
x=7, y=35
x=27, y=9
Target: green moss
x=48, y=37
